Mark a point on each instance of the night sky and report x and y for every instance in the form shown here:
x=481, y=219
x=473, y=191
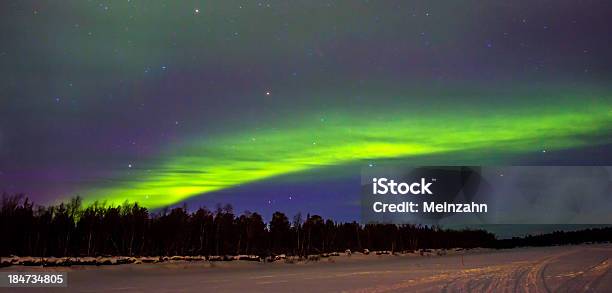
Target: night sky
x=278, y=105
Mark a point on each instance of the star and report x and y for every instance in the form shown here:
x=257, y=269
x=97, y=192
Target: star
x=197, y=11
x=129, y=165
x=267, y=93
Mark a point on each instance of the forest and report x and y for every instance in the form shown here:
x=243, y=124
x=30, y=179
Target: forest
x=69, y=229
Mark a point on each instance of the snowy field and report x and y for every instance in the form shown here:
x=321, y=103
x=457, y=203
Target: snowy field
x=584, y=268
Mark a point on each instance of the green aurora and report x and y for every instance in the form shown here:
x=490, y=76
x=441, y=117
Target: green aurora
x=347, y=137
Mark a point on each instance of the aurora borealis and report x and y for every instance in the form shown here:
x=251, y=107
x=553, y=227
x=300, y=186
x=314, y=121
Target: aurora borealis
x=222, y=101
x=226, y=162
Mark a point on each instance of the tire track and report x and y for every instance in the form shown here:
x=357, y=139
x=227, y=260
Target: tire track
x=586, y=280
x=535, y=280
x=529, y=274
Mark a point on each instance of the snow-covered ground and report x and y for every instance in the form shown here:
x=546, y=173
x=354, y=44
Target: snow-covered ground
x=583, y=268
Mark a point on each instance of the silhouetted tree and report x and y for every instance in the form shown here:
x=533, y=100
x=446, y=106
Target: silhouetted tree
x=129, y=229
x=280, y=232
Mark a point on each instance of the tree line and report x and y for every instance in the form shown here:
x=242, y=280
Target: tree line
x=69, y=229
x=592, y=235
